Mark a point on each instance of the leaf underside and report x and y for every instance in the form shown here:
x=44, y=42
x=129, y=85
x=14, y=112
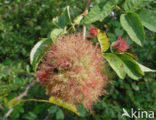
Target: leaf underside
x=148, y=18
x=123, y=64
x=38, y=51
x=133, y=26
x=100, y=11
x=133, y=5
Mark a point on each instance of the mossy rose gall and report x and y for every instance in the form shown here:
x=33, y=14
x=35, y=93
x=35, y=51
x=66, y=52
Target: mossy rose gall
x=121, y=44
x=74, y=70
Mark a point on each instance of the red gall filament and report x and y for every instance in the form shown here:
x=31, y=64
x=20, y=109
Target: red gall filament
x=93, y=31
x=121, y=44
x=73, y=71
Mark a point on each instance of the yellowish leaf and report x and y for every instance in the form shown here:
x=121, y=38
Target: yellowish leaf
x=13, y=102
x=63, y=104
x=132, y=54
x=52, y=100
x=5, y=100
x=104, y=40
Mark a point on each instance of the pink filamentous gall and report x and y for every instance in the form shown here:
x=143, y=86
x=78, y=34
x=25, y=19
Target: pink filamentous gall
x=121, y=44
x=73, y=70
x=93, y=31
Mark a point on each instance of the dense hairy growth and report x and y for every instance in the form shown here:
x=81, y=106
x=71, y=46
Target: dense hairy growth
x=93, y=31
x=74, y=70
x=121, y=44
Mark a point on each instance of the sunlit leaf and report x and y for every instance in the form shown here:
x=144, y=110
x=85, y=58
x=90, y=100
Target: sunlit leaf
x=55, y=33
x=38, y=52
x=145, y=69
x=78, y=19
x=104, y=40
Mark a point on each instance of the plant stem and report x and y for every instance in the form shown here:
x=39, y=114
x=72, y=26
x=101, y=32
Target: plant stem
x=85, y=13
x=18, y=98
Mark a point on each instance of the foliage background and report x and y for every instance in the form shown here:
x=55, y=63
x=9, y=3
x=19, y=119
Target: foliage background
x=23, y=23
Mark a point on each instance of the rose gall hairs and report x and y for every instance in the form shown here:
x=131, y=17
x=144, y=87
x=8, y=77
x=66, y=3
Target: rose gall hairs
x=73, y=70
x=121, y=44
x=93, y=31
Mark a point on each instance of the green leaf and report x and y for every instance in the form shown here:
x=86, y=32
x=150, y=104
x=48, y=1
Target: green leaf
x=100, y=11
x=148, y=18
x=145, y=69
x=63, y=104
x=78, y=19
x=55, y=33
x=104, y=40
x=59, y=115
x=53, y=109
x=135, y=87
x=123, y=64
x=64, y=19
x=131, y=67
x=133, y=5
x=116, y=63
x=38, y=52
x=133, y=26
x=82, y=111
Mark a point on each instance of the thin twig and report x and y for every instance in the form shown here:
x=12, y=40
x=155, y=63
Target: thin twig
x=1, y=107
x=26, y=90
x=119, y=8
x=87, y=7
x=84, y=32
x=18, y=98
x=47, y=117
x=85, y=13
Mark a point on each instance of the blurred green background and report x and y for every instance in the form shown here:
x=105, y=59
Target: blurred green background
x=23, y=23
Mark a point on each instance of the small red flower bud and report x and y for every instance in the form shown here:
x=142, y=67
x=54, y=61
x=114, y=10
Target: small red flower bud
x=93, y=31
x=121, y=44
